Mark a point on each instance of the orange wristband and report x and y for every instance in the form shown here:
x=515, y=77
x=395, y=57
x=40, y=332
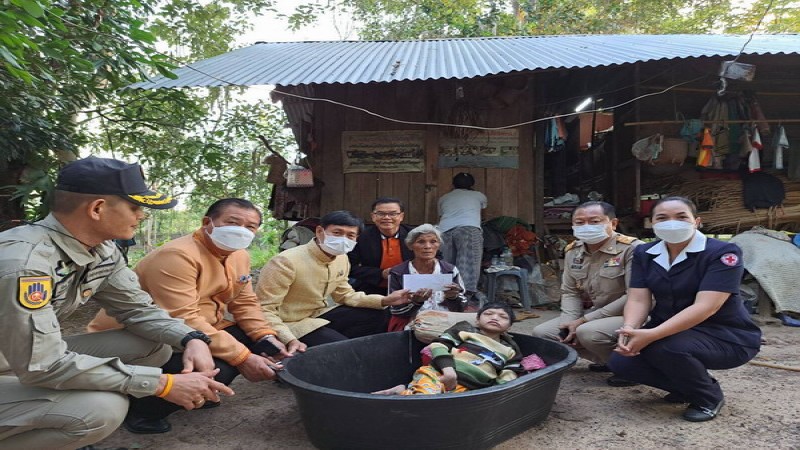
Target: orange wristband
x=167, y=387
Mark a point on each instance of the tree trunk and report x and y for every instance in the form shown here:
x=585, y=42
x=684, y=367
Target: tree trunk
x=10, y=209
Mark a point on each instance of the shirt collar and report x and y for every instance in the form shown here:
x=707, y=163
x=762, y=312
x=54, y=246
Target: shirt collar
x=697, y=244
x=395, y=236
x=74, y=249
x=316, y=251
x=610, y=246
x=437, y=269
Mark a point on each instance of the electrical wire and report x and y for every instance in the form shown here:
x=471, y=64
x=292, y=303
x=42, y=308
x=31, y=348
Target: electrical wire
x=475, y=127
x=752, y=33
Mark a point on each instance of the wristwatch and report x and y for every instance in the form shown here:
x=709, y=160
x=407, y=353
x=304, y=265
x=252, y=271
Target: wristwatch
x=195, y=335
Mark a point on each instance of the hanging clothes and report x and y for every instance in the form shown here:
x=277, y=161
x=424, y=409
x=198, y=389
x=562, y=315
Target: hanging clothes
x=555, y=135
x=757, y=115
x=704, y=158
x=732, y=160
x=753, y=158
x=781, y=144
x=716, y=112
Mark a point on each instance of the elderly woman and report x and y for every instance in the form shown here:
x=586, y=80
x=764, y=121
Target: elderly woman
x=697, y=321
x=424, y=241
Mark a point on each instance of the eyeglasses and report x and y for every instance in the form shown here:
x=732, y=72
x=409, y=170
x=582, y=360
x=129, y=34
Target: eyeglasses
x=391, y=214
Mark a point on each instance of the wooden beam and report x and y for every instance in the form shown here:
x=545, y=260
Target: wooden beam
x=659, y=122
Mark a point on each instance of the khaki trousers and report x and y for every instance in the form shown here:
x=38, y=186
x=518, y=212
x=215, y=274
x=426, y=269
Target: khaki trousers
x=42, y=418
x=596, y=339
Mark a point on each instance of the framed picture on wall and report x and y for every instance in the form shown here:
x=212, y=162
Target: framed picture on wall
x=489, y=149
x=383, y=151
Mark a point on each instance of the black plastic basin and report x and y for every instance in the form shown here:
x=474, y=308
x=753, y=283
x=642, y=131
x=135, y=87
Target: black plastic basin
x=332, y=385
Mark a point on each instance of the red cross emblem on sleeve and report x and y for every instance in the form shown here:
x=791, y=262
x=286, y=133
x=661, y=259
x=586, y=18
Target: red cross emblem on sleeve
x=729, y=259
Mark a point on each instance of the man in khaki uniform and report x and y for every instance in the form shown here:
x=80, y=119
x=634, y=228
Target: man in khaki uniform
x=597, y=269
x=66, y=392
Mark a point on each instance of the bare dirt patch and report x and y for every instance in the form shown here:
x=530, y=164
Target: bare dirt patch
x=761, y=411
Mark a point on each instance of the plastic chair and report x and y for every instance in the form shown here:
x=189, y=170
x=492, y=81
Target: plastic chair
x=522, y=278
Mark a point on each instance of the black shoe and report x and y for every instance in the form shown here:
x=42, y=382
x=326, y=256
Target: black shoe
x=674, y=397
x=140, y=425
x=598, y=368
x=616, y=381
x=209, y=404
x=696, y=413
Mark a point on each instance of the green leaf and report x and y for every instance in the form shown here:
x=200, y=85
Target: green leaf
x=28, y=20
x=166, y=72
x=9, y=57
x=142, y=35
x=31, y=7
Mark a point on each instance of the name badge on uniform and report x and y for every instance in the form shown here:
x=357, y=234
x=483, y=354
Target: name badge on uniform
x=613, y=262
x=577, y=262
x=35, y=292
x=100, y=271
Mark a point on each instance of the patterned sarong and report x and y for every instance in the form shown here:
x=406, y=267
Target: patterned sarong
x=426, y=381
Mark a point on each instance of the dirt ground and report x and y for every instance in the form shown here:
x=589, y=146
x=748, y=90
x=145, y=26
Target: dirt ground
x=761, y=411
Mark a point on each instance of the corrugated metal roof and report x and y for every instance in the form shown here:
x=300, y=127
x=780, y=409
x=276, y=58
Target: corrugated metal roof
x=294, y=63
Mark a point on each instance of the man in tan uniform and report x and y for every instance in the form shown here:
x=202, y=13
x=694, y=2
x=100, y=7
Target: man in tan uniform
x=204, y=279
x=597, y=269
x=66, y=392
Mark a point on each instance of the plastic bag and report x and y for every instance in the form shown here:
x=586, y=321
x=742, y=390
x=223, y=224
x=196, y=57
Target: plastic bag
x=299, y=176
x=691, y=129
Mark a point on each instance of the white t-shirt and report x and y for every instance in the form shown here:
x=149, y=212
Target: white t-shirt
x=460, y=208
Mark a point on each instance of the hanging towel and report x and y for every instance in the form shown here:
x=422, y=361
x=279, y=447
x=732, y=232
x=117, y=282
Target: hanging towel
x=756, y=140
x=706, y=149
x=753, y=158
x=781, y=144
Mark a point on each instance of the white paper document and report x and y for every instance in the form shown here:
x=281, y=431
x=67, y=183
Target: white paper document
x=436, y=282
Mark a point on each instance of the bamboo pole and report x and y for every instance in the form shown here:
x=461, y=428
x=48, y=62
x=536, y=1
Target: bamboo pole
x=659, y=122
x=774, y=366
x=688, y=89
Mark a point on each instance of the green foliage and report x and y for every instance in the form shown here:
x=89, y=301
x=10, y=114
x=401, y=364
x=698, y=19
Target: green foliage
x=424, y=19
x=62, y=69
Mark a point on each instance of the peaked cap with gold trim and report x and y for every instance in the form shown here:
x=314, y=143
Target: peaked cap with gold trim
x=105, y=176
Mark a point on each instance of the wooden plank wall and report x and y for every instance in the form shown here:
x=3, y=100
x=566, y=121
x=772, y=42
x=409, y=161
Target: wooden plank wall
x=510, y=191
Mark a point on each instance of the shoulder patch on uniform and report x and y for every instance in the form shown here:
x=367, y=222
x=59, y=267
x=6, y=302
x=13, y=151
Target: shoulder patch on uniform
x=729, y=259
x=35, y=292
x=625, y=239
x=572, y=245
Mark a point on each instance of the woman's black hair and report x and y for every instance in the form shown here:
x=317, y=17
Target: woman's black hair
x=674, y=198
x=498, y=305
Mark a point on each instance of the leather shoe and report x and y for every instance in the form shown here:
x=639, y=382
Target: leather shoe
x=674, y=397
x=598, y=368
x=616, y=381
x=141, y=425
x=696, y=413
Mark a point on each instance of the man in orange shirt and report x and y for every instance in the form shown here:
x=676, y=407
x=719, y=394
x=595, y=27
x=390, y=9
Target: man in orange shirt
x=380, y=247
x=199, y=278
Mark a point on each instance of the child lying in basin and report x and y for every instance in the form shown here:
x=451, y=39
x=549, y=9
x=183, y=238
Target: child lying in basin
x=467, y=357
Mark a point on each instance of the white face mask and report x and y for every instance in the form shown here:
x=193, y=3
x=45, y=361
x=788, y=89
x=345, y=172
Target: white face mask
x=231, y=237
x=337, y=245
x=590, y=234
x=674, y=231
